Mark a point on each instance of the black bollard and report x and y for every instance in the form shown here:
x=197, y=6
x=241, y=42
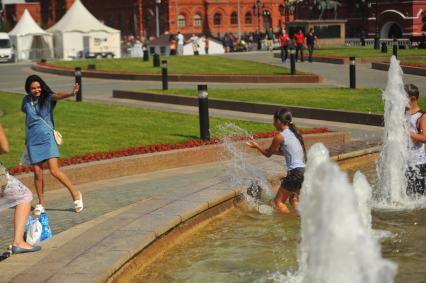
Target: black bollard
x=164, y=76
x=79, y=96
x=156, y=60
x=395, y=47
x=293, y=60
x=145, y=54
x=384, y=47
x=376, y=43
x=352, y=72
x=91, y=67
x=203, y=105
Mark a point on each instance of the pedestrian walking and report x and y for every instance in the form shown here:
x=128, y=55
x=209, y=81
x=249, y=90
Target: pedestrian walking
x=270, y=39
x=284, y=41
x=311, y=39
x=299, y=37
x=180, y=43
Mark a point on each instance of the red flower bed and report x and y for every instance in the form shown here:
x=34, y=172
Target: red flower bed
x=90, y=157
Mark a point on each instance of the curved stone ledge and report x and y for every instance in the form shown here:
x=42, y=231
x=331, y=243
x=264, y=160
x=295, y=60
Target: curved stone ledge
x=146, y=163
x=298, y=78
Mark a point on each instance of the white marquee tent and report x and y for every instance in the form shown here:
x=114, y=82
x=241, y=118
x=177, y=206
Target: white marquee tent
x=77, y=28
x=30, y=41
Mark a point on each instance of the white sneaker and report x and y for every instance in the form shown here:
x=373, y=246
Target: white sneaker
x=39, y=209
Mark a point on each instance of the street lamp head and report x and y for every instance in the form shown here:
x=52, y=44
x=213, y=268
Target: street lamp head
x=158, y=1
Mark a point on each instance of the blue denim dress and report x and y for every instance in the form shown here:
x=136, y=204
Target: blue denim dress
x=40, y=140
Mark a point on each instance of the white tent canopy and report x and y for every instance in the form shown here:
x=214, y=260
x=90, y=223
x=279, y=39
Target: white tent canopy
x=31, y=42
x=78, y=27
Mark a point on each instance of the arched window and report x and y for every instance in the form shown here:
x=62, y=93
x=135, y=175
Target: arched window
x=181, y=21
x=217, y=19
x=248, y=19
x=197, y=20
x=234, y=18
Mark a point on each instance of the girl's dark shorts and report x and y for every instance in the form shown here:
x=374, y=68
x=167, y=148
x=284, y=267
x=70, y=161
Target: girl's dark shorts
x=294, y=179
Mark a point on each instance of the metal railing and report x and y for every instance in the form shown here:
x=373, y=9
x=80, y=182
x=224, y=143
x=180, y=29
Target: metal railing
x=370, y=42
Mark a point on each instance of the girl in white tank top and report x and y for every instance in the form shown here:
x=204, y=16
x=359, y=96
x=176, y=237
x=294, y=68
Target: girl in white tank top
x=287, y=142
x=416, y=171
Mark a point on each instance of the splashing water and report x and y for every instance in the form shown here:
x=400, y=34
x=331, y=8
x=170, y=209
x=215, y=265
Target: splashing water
x=241, y=173
x=394, y=155
x=363, y=192
x=336, y=244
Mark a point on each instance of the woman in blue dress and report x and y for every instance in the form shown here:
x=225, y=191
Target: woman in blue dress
x=40, y=141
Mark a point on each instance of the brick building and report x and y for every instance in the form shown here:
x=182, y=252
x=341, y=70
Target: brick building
x=400, y=18
x=188, y=16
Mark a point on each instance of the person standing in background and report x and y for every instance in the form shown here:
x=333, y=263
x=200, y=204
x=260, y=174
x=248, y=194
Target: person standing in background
x=284, y=40
x=271, y=38
x=311, y=39
x=180, y=43
x=172, y=44
x=195, y=44
x=300, y=41
x=206, y=44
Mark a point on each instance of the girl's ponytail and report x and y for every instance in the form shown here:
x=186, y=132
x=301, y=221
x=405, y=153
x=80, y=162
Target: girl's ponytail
x=284, y=115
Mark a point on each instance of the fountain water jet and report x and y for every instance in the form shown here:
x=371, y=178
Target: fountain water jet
x=337, y=245
x=394, y=155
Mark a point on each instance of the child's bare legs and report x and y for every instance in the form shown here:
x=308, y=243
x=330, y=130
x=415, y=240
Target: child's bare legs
x=21, y=214
x=281, y=198
x=294, y=199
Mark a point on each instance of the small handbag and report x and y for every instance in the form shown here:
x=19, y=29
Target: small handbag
x=57, y=135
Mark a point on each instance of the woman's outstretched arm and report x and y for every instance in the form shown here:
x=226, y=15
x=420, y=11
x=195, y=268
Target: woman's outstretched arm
x=60, y=95
x=4, y=144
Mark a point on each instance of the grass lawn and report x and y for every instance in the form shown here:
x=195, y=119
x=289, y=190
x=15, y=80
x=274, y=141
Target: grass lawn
x=362, y=100
x=89, y=127
x=181, y=65
x=367, y=51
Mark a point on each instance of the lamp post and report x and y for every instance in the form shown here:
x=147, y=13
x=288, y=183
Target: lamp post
x=239, y=19
x=266, y=15
x=365, y=5
x=286, y=10
x=377, y=36
x=256, y=12
x=157, y=16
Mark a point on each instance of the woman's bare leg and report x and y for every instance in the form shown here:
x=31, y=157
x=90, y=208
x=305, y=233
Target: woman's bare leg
x=21, y=214
x=280, y=200
x=38, y=182
x=58, y=174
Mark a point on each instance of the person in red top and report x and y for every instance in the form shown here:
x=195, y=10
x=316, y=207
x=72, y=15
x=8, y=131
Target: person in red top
x=284, y=39
x=300, y=41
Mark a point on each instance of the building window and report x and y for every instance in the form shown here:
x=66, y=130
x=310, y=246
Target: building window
x=197, y=20
x=181, y=21
x=234, y=18
x=248, y=18
x=217, y=19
